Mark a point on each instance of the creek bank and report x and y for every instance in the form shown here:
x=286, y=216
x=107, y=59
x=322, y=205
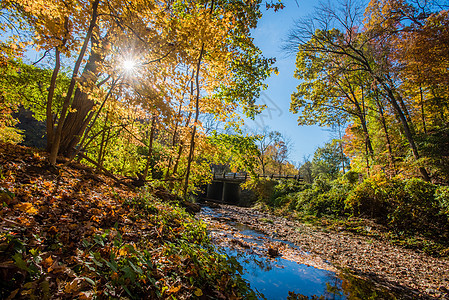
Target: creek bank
x=407, y=273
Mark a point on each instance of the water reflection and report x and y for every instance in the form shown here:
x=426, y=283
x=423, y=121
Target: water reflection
x=274, y=278
x=294, y=275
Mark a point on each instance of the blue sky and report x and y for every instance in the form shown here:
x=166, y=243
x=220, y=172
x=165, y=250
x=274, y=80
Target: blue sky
x=268, y=36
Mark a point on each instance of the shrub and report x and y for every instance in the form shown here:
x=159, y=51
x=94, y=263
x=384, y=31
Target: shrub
x=416, y=207
x=420, y=192
x=337, y=195
x=324, y=198
x=321, y=184
x=351, y=177
x=288, y=186
x=283, y=192
x=263, y=188
x=305, y=198
x=372, y=197
x=405, y=204
x=442, y=199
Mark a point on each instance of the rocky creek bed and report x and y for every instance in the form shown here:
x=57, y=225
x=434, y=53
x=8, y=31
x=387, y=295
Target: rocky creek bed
x=406, y=273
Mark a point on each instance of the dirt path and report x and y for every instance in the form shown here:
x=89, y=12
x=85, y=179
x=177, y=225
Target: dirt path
x=411, y=274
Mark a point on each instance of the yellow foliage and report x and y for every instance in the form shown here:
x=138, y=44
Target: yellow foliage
x=26, y=207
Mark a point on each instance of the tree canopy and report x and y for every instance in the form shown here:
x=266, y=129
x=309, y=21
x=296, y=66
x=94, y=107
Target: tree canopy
x=369, y=70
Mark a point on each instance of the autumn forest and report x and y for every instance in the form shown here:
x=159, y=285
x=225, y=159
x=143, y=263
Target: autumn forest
x=111, y=140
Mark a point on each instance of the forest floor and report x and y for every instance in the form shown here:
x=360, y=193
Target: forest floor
x=70, y=232
x=406, y=272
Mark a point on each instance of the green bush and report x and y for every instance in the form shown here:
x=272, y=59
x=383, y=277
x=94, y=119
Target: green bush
x=417, y=207
x=420, y=192
x=324, y=198
x=337, y=195
x=404, y=204
x=288, y=186
x=373, y=197
x=263, y=188
x=304, y=200
x=310, y=200
x=284, y=191
x=351, y=177
x=442, y=199
x=320, y=184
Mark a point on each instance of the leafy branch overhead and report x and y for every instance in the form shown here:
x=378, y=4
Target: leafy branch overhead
x=119, y=77
x=380, y=70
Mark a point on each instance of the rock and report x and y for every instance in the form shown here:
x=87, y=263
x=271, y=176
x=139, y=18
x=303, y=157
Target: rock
x=273, y=252
x=190, y=207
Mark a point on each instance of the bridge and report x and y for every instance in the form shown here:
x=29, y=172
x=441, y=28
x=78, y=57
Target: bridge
x=225, y=187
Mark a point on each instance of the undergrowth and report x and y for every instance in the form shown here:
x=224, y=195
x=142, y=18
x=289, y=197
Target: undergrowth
x=408, y=212
x=67, y=234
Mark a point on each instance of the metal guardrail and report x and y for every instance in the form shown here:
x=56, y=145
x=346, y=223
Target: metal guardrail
x=245, y=176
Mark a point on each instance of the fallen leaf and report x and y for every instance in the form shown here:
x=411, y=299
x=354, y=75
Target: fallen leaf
x=26, y=207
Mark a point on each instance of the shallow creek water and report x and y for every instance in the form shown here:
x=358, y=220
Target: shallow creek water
x=275, y=267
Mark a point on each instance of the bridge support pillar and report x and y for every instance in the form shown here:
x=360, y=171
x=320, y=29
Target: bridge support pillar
x=215, y=190
x=231, y=192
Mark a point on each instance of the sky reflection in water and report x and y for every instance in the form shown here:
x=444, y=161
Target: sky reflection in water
x=275, y=278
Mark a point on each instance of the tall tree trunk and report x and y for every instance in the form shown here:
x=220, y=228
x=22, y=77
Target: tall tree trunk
x=423, y=116
x=175, y=133
x=367, y=160
x=51, y=91
x=58, y=132
x=178, y=158
x=406, y=114
x=387, y=136
x=197, y=113
x=365, y=128
x=87, y=130
x=361, y=114
x=103, y=142
x=106, y=144
x=342, y=155
x=407, y=131
x=263, y=167
x=128, y=141
x=78, y=120
x=181, y=146
x=150, y=147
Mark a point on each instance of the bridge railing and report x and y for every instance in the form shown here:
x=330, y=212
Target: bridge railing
x=245, y=176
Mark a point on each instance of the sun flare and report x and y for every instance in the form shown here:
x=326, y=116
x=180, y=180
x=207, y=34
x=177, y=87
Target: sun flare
x=129, y=65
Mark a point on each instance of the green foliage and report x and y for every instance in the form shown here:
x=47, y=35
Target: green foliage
x=414, y=212
x=370, y=198
x=326, y=163
x=263, y=188
x=403, y=204
x=238, y=151
x=442, y=198
x=26, y=85
x=9, y=134
x=351, y=176
x=323, y=198
x=288, y=186
x=435, y=146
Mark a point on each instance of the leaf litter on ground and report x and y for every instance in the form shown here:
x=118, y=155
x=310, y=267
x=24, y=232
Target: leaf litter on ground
x=73, y=233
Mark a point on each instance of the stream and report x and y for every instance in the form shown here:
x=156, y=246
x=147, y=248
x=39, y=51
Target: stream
x=277, y=269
